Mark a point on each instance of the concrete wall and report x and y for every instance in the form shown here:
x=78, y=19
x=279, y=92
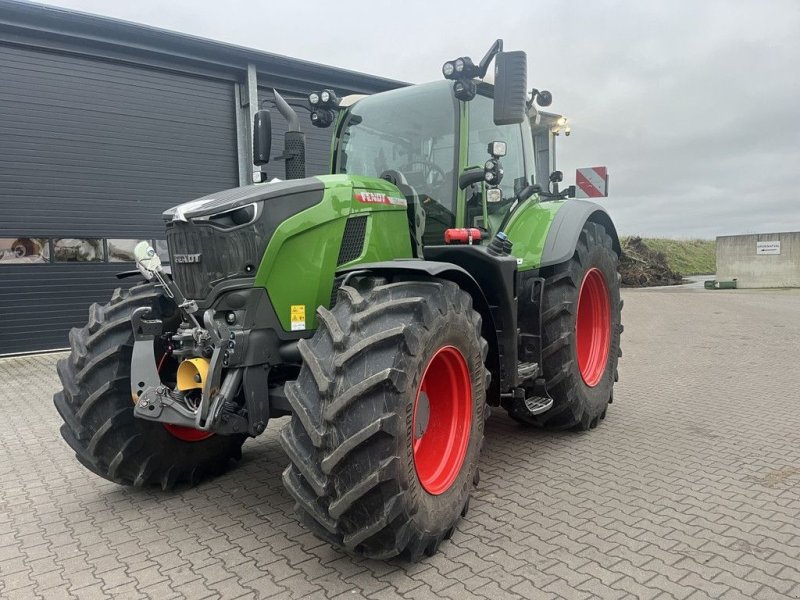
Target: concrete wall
x=737, y=258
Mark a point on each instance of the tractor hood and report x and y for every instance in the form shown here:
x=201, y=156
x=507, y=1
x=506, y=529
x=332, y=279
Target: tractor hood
x=234, y=198
x=222, y=236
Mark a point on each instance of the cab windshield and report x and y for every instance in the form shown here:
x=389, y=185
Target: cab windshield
x=411, y=130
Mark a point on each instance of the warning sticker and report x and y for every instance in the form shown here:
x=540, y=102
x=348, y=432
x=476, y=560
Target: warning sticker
x=298, y=317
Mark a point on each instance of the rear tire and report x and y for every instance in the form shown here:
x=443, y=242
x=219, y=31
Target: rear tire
x=357, y=479
x=97, y=407
x=579, y=356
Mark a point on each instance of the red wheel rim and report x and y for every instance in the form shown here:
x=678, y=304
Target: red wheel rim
x=593, y=327
x=444, y=400
x=187, y=434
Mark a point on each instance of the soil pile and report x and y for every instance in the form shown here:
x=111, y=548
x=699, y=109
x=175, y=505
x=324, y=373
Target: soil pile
x=641, y=266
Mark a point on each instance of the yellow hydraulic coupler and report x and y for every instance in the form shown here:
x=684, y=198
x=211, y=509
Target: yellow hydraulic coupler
x=192, y=374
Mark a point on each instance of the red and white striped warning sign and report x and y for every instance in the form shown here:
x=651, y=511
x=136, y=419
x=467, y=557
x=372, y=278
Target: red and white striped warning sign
x=592, y=182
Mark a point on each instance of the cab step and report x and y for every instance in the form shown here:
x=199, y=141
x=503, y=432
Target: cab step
x=536, y=405
x=527, y=371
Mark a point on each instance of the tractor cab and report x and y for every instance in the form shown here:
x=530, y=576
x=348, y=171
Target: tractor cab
x=427, y=139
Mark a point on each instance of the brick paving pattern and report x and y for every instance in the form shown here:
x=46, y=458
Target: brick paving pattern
x=689, y=489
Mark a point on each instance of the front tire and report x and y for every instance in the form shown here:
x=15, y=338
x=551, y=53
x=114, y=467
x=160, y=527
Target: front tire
x=97, y=407
x=388, y=415
x=581, y=320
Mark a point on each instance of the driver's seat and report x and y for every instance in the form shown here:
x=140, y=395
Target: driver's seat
x=416, y=214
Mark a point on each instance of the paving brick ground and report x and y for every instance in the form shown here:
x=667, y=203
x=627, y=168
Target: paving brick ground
x=689, y=489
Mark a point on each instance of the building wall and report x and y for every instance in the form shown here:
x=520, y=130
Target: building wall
x=737, y=258
x=103, y=126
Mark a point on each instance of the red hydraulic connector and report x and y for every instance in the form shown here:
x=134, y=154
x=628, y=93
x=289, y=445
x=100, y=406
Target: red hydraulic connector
x=462, y=235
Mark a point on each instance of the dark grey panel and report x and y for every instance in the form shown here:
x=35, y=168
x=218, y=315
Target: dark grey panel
x=40, y=303
x=100, y=148
x=96, y=149
x=46, y=26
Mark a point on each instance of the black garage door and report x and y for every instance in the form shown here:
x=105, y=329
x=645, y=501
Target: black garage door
x=91, y=153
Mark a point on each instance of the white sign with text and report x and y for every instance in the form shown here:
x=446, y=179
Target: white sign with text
x=768, y=247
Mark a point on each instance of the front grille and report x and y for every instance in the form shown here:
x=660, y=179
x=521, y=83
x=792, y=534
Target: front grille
x=353, y=239
x=223, y=254
x=227, y=250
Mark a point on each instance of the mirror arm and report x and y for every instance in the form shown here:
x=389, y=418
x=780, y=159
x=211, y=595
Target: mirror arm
x=470, y=176
x=484, y=64
x=528, y=191
x=563, y=195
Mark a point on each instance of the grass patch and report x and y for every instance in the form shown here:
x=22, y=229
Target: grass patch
x=660, y=261
x=686, y=257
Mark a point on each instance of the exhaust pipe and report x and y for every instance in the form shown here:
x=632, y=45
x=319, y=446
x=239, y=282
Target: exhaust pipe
x=294, y=142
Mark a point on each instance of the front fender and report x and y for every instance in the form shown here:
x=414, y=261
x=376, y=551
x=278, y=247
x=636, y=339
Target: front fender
x=500, y=364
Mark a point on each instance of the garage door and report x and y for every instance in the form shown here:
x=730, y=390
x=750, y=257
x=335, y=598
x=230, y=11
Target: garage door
x=91, y=153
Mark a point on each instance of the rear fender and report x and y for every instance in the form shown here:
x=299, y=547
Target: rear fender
x=546, y=233
x=565, y=229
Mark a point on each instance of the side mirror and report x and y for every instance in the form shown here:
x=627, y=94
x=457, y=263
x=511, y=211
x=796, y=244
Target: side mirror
x=544, y=98
x=262, y=137
x=510, y=87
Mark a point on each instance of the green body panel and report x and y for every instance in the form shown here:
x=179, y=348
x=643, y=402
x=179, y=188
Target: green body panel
x=528, y=228
x=299, y=264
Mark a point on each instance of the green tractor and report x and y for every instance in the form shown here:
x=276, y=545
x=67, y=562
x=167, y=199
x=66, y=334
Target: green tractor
x=384, y=308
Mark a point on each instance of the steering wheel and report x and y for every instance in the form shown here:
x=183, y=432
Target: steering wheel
x=433, y=175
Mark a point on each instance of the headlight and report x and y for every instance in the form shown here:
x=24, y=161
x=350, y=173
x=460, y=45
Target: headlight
x=447, y=69
x=313, y=99
x=497, y=148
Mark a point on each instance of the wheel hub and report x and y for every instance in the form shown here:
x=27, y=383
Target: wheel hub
x=422, y=415
x=442, y=420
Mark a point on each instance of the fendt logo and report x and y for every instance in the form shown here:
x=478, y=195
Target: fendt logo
x=187, y=258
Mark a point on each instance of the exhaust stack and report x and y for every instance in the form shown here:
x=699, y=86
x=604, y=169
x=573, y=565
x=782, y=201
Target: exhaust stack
x=294, y=142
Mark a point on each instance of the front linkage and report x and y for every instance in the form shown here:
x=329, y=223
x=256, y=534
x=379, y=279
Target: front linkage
x=202, y=398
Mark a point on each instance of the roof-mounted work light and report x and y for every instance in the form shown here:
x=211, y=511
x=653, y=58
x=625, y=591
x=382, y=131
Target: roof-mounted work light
x=323, y=107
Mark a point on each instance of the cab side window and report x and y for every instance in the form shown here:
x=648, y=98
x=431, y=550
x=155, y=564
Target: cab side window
x=482, y=130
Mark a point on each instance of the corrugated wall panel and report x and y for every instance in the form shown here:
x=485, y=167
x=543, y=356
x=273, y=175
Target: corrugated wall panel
x=100, y=148
x=39, y=303
x=90, y=148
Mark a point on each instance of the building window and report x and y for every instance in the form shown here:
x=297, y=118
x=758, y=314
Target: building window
x=24, y=250
x=122, y=250
x=78, y=250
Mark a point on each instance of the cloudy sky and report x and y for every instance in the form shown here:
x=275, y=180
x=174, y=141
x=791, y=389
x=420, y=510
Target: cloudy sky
x=693, y=106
